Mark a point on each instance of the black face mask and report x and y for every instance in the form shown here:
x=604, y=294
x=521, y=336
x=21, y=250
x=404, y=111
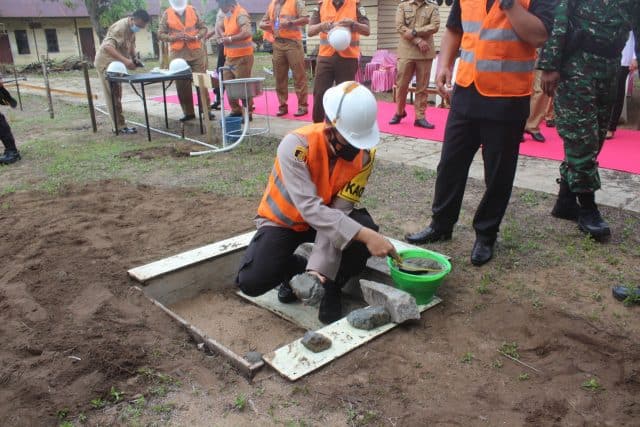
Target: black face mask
x=347, y=152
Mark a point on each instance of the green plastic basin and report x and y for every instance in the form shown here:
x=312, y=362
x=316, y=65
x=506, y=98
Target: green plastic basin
x=422, y=286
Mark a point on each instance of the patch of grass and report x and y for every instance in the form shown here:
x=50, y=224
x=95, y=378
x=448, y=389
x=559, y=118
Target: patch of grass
x=303, y=390
x=65, y=424
x=523, y=377
x=467, y=357
x=483, y=287
x=497, y=364
x=592, y=384
x=510, y=349
x=61, y=414
x=632, y=298
x=530, y=198
x=164, y=408
x=98, y=403
x=240, y=403
x=116, y=395
x=423, y=174
x=596, y=296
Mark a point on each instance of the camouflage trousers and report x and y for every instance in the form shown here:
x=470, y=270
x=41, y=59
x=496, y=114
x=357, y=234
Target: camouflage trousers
x=583, y=108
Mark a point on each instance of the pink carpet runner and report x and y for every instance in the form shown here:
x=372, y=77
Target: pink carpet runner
x=621, y=153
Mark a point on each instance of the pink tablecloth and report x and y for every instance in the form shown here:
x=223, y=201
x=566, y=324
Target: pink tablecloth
x=383, y=79
x=368, y=71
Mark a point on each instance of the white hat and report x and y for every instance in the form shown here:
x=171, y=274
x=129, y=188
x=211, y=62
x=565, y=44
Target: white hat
x=117, y=68
x=178, y=65
x=353, y=110
x=178, y=5
x=339, y=38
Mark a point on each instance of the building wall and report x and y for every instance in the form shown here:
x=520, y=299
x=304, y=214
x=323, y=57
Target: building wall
x=68, y=42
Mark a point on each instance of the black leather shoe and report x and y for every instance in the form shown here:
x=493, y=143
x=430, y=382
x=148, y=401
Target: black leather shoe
x=626, y=293
x=551, y=123
x=481, y=253
x=428, y=235
x=187, y=117
x=397, y=118
x=590, y=221
x=331, y=304
x=285, y=294
x=9, y=157
x=423, y=123
x=537, y=136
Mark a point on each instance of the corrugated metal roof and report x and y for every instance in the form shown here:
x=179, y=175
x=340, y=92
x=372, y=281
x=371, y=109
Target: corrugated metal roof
x=57, y=8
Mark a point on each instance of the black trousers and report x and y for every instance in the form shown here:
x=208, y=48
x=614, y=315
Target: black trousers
x=5, y=134
x=269, y=259
x=500, y=142
x=621, y=77
x=330, y=71
x=219, y=63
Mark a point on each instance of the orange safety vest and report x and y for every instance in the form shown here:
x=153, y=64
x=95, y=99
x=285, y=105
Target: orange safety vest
x=329, y=13
x=176, y=27
x=238, y=48
x=268, y=36
x=492, y=56
x=276, y=204
x=289, y=11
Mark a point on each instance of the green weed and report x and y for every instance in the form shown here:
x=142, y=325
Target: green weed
x=510, y=349
x=592, y=384
x=523, y=377
x=240, y=403
x=98, y=403
x=467, y=357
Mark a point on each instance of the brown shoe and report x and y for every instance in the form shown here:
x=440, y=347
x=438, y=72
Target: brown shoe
x=301, y=112
x=282, y=111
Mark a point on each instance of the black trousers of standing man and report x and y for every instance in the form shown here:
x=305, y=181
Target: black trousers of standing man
x=270, y=260
x=6, y=136
x=500, y=144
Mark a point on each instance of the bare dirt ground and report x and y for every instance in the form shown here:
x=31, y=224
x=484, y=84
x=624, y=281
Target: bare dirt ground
x=80, y=346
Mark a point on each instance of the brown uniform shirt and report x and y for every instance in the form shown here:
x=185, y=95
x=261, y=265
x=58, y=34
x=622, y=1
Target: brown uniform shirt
x=422, y=16
x=184, y=53
x=120, y=37
x=300, y=12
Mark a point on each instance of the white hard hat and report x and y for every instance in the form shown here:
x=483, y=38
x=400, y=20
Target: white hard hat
x=353, y=110
x=178, y=65
x=117, y=68
x=178, y=5
x=339, y=38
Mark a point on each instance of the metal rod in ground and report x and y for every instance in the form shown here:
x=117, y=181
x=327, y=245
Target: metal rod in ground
x=87, y=83
x=15, y=76
x=48, y=88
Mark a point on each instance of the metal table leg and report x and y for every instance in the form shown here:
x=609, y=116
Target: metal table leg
x=164, y=101
x=113, y=106
x=146, y=113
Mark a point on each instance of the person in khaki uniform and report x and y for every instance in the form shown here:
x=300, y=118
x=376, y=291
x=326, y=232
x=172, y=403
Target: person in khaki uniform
x=119, y=45
x=285, y=19
x=238, y=47
x=416, y=21
x=182, y=28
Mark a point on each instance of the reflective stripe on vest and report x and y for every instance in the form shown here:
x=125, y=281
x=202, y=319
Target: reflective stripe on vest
x=276, y=204
x=238, y=48
x=287, y=11
x=492, y=56
x=328, y=13
x=176, y=27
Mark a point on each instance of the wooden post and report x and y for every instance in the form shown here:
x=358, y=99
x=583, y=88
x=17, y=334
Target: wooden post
x=48, y=88
x=202, y=88
x=15, y=75
x=92, y=112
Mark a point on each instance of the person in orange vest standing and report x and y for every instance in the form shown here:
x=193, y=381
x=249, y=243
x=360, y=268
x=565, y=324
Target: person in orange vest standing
x=284, y=21
x=182, y=28
x=320, y=173
x=333, y=66
x=238, y=47
x=497, y=41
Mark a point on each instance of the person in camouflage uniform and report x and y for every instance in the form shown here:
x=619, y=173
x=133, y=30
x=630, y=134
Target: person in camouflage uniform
x=580, y=60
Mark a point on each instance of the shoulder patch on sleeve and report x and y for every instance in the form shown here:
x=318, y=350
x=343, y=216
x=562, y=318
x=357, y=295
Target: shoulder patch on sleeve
x=300, y=153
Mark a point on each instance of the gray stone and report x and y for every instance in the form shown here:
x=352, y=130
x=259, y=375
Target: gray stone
x=253, y=356
x=307, y=288
x=368, y=318
x=400, y=305
x=315, y=342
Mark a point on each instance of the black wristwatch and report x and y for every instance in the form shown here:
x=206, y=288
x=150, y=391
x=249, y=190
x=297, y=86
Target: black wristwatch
x=414, y=33
x=506, y=4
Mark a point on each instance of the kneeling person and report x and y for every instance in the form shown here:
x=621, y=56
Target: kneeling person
x=320, y=172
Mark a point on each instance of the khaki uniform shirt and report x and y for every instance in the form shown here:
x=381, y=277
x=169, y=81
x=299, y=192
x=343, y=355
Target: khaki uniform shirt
x=184, y=53
x=334, y=228
x=422, y=16
x=120, y=37
x=300, y=12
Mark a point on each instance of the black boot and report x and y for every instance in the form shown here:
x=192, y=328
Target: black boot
x=589, y=219
x=10, y=156
x=331, y=304
x=566, y=206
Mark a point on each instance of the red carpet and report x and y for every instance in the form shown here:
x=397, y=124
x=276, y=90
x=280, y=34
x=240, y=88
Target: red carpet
x=621, y=153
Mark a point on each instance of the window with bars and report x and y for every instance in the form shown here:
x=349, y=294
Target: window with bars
x=52, y=40
x=22, y=42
